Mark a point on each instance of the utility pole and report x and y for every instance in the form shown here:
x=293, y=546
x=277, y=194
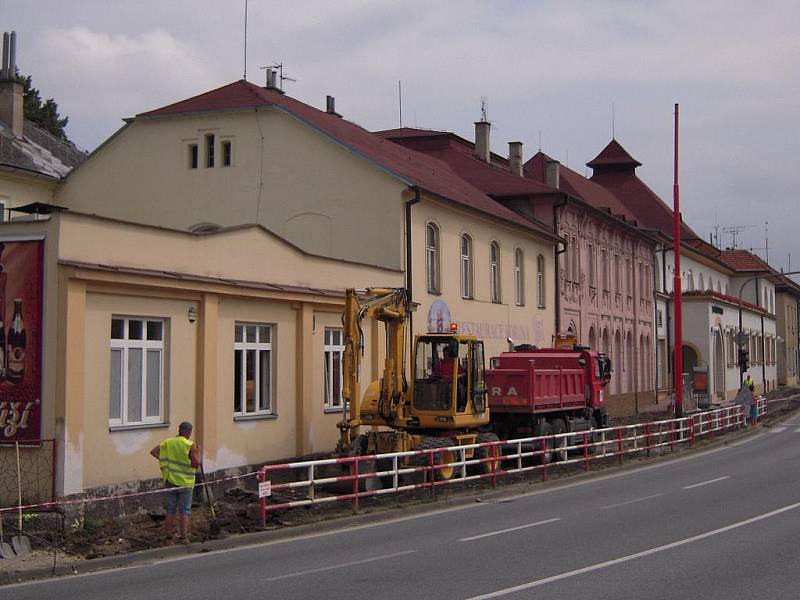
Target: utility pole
x=678, y=348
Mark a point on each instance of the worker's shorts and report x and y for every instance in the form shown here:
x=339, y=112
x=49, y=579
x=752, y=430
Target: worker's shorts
x=179, y=499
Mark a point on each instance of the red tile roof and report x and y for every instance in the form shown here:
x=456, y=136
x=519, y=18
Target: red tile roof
x=725, y=297
x=414, y=168
x=459, y=155
x=613, y=155
x=577, y=185
x=743, y=260
x=614, y=169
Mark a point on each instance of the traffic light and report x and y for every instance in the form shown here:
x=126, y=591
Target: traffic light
x=744, y=359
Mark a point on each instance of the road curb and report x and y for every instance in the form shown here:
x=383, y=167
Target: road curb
x=372, y=517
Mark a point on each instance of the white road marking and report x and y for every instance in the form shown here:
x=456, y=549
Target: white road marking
x=777, y=429
x=630, y=557
x=797, y=430
x=340, y=565
x=689, y=487
x=631, y=501
x=510, y=529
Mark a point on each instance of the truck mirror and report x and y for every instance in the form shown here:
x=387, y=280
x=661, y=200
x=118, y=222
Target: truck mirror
x=453, y=345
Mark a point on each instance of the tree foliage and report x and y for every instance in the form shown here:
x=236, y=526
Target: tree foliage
x=44, y=114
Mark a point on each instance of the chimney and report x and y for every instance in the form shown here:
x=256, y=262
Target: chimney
x=551, y=173
x=482, y=147
x=515, y=158
x=10, y=89
x=330, y=106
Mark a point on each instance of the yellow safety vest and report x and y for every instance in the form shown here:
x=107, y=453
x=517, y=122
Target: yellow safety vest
x=173, y=456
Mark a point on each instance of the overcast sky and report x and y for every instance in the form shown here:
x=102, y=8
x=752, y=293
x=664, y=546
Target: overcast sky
x=547, y=68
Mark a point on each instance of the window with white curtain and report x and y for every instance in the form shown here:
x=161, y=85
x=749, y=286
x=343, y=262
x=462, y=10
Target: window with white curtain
x=136, y=391
x=432, y=258
x=252, y=367
x=540, y=281
x=494, y=272
x=467, y=288
x=334, y=348
x=519, y=277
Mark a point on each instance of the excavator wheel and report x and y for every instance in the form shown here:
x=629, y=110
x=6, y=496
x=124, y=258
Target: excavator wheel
x=440, y=458
x=560, y=444
x=358, y=447
x=486, y=468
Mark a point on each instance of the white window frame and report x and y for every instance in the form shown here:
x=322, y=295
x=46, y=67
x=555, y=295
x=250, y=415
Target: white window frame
x=467, y=278
x=590, y=265
x=258, y=347
x=125, y=345
x=332, y=401
x=519, y=277
x=494, y=273
x=432, y=250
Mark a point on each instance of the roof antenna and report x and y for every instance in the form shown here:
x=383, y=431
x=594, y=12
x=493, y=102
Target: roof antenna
x=484, y=109
x=613, y=122
x=400, y=99
x=540, y=140
x=567, y=159
x=281, y=76
x=245, y=41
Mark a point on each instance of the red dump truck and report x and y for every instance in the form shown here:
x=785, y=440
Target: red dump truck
x=541, y=391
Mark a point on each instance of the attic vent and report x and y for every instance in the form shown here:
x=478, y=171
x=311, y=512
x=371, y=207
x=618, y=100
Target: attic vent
x=205, y=228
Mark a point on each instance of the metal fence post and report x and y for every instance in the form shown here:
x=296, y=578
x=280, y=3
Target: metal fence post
x=544, y=460
x=432, y=473
x=619, y=445
x=585, y=451
x=647, y=438
x=262, y=502
x=354, y=471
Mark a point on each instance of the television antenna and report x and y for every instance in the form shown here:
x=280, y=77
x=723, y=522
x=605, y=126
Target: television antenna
x=735, y=233
x=281, y=77
x=485, y=109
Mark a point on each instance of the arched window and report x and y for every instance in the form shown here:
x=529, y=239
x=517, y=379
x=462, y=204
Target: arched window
x=701, y=284
x=432, y=259
x=519, y=277
x=494, y=272
x=467, y=289
x=710, y=283
x=540, y=281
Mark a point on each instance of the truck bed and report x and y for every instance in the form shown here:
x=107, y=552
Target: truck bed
x=553, y=389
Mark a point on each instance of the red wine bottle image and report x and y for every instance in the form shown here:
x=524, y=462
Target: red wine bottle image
x=15, y=357
x=2, y=352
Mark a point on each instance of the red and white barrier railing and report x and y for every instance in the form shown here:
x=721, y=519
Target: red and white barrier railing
x=391, y=473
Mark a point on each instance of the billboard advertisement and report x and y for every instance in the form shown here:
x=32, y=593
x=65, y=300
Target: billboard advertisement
x=21, y=295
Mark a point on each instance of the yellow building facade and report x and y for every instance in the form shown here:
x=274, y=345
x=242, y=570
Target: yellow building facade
x=199, y=271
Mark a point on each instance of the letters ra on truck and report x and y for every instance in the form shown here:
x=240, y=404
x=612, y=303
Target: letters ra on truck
x=538, y=391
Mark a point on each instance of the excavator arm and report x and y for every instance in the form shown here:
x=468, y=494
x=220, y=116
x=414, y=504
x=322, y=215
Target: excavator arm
x=392, y=307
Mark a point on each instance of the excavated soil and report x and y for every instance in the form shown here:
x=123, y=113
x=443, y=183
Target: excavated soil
x=236, y=511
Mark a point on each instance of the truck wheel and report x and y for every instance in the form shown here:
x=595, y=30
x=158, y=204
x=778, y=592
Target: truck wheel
x=486, y=468
x=560, y=444
x=546, y=458
x=440, y=458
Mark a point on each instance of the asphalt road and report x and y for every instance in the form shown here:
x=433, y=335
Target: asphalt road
x=723, y=524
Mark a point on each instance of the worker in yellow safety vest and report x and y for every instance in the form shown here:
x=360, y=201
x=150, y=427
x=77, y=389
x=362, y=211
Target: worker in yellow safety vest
x=748, y=381
x=179, y=458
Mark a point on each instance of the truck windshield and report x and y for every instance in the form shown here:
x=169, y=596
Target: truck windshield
x=434, y=371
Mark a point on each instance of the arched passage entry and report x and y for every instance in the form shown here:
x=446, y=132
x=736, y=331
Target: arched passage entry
x=719, y=366
x=690, y=359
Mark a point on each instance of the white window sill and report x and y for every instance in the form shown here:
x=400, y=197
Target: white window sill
x=255, y=417
x=335, y=409
x=134, y=426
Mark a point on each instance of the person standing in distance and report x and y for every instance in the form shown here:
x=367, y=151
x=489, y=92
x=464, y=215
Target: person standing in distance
x=179, y=458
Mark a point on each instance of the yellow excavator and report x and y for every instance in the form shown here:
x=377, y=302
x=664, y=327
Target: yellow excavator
x=442, y=404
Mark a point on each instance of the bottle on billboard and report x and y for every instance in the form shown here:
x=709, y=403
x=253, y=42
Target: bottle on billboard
x=15, y=359
x=2, y=351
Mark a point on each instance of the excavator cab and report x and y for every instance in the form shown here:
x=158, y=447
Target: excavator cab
x=448, y=388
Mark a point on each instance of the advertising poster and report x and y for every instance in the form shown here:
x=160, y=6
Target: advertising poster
x=21, y=293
